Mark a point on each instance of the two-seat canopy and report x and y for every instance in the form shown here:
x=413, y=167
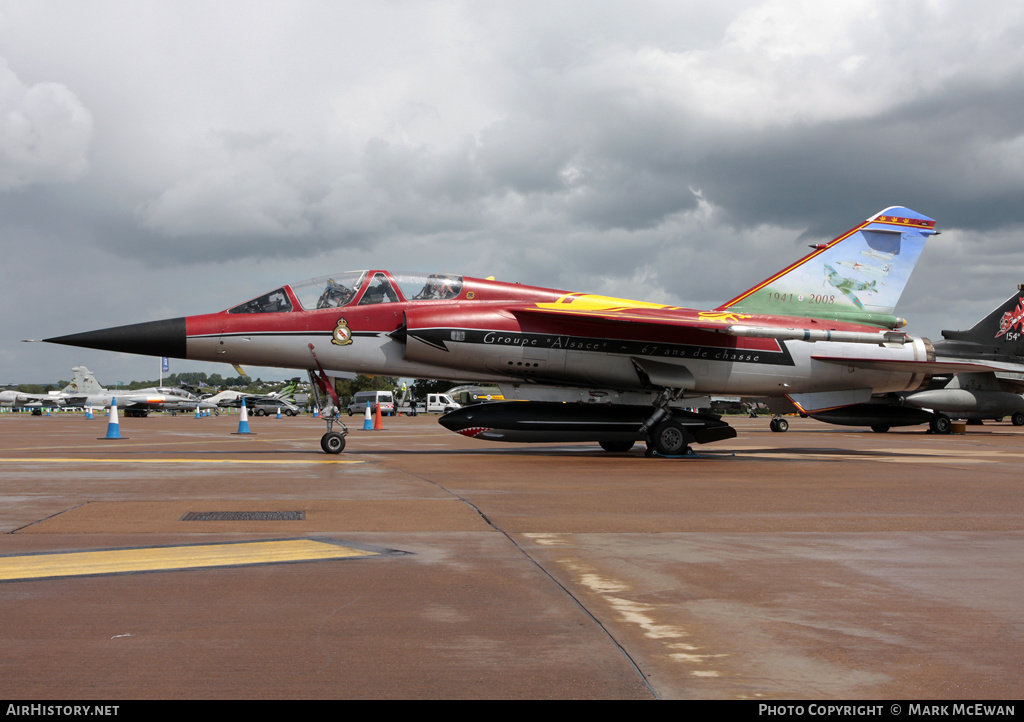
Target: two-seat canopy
x=359, y=288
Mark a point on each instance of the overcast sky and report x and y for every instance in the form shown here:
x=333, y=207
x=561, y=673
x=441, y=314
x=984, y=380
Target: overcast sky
x=160, y=159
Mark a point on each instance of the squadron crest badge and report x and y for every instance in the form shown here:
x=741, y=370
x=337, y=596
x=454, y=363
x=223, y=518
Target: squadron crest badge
x=342, y=335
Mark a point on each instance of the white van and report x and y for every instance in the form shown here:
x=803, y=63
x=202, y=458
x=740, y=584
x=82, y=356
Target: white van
x=385, y=399
x=441, y=403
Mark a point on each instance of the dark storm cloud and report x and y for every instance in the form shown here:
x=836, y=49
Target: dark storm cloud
x=939, y=155
x=668, y=151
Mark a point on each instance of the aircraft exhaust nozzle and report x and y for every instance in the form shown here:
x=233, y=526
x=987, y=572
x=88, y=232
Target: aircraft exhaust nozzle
x=153, y=338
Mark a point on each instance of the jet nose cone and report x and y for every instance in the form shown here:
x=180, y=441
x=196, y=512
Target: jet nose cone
x=153, y=338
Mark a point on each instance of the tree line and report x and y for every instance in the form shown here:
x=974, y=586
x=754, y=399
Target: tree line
x=202, y=381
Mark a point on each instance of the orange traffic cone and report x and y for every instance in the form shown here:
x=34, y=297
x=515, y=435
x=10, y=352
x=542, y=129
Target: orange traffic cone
x=378, y=424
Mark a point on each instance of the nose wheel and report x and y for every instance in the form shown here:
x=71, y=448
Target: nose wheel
x=332, y=442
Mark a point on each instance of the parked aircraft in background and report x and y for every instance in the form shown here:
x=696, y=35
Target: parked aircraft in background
x=259, y=404
x=21, y=400
x=977, y=374
x=84, y=390
x=793, y=335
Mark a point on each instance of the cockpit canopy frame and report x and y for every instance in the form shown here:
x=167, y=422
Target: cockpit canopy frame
x=356, y=287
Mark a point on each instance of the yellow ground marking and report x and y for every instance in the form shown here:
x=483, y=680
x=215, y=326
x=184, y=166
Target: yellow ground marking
x=129, y=460
x=121, y=561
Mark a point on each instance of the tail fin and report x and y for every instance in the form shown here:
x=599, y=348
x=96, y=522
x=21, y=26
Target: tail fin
x=858, y=276
x=998, y=336
x=285, y=392
x=84, y=381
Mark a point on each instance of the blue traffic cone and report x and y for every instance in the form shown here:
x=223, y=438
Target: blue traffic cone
x=279, y=412
x=367, y=420
x=113, y=426
x=243, y=420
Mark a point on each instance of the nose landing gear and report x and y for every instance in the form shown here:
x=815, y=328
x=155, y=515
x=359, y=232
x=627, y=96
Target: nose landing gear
x=326, y=399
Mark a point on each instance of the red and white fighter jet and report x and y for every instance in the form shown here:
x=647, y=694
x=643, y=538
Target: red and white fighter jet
x=792, y=335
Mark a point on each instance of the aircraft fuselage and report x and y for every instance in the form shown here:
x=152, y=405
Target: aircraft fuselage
x=483, y=341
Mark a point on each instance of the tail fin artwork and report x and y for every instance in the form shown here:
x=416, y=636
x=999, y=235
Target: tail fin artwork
x=83, y=382
x=857, y=277
x=998, y=337
x=286, y=391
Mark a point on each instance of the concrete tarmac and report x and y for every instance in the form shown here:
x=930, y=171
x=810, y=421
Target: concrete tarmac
x=185, y=562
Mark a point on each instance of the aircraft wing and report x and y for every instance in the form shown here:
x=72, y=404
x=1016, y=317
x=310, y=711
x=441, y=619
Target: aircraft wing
x=610, y=312
x=81, y=400
x=925, y=367
x=16, y=398
x=129, y=401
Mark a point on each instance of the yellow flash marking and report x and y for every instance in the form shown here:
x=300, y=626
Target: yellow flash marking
x=587, y=302
x=724, y=316
x=121, y=561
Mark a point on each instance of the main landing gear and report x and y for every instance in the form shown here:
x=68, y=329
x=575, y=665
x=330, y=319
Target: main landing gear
x=666, y=436
x=669, y=438
x=779, y=425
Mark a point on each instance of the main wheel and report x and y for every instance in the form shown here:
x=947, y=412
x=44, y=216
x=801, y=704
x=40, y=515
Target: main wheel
x=1017, y=419
x=670, y=438
x=779, y=425
x=941, y=424
x=332, y=442
x=616, y=445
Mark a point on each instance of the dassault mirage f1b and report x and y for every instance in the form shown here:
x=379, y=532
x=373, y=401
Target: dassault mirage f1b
x=803, y=333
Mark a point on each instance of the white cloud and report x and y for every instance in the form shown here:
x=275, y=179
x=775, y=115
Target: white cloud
x=782, y=62
x=45, y=132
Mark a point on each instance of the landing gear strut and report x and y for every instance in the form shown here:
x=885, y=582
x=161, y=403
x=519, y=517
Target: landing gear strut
x=333, y=442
